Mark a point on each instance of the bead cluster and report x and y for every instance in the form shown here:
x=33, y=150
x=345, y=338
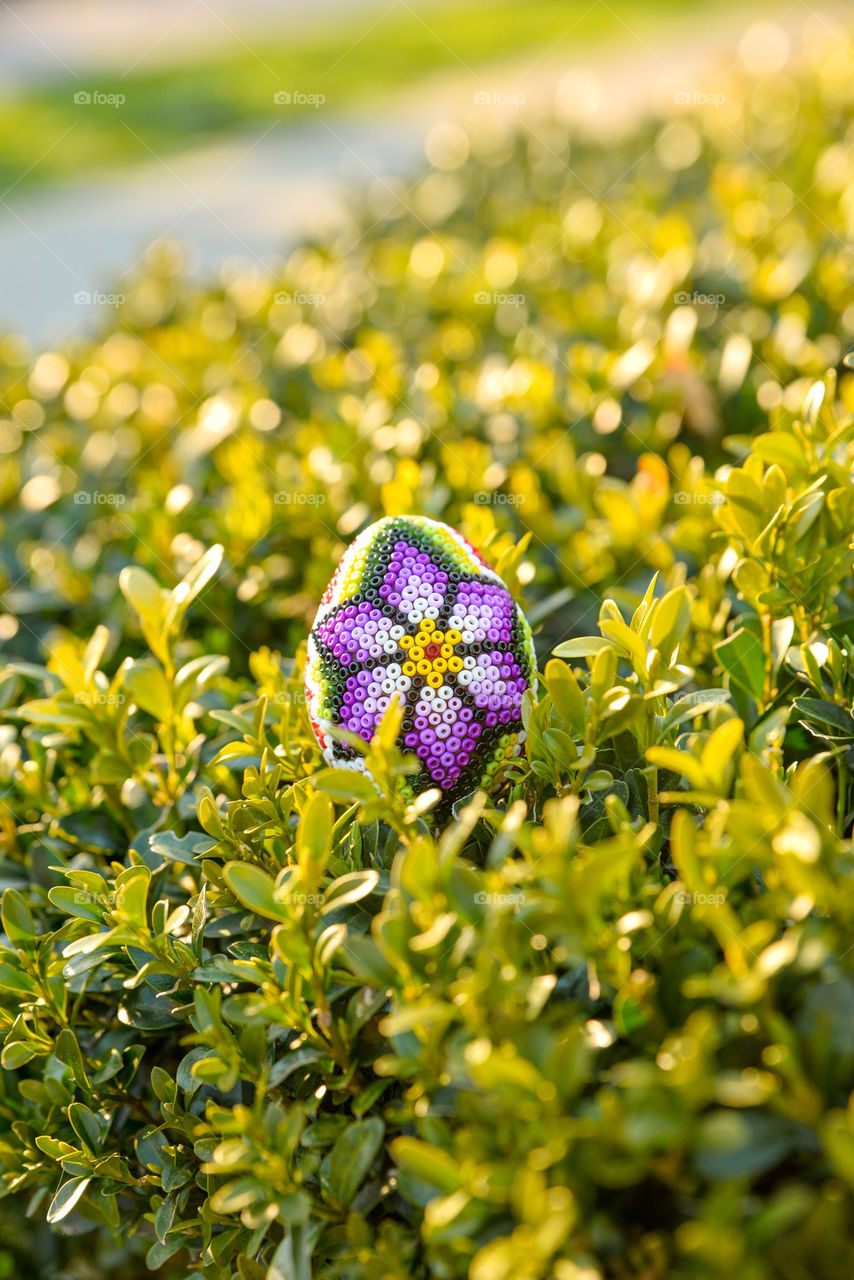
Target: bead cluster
x=414, y=613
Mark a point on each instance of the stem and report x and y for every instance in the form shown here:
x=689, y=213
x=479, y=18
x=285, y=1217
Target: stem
x=841, y=795
x=651, y=775
x=768, y=646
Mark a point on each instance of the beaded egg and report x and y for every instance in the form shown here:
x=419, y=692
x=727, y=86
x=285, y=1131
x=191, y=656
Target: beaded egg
x=413, y=612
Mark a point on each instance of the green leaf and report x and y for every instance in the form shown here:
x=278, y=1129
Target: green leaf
x=583, y=647
x=182, y=596
x=18, y=920
x=147, y=599
x=254, y=888
x=68, y=1051
x=148, y=687
x=431, y=1164
x=839, y=721
x=719, y=752
x=86, y=1125
x=18, y=1053
x=199, y=917
x=66, y=1198
x=345, y=785
x=565, y=693
x=742, y=658
x=681, y=762
x=314, y=835
x=292, y=1259
x=332, y=937
x=781, y=447
x=352, y=1156
x=132, y=895
x=77, y=902
x=349, y=888
x=670, y=621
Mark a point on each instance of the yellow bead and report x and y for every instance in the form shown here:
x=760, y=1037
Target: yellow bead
x=434, y=679
x=455, y=664
x=408, y=668
x=424, y=666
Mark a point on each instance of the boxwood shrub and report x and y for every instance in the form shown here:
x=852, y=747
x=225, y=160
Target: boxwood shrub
x=262, y=1019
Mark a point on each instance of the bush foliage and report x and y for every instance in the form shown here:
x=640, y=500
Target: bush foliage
x=260, y=1018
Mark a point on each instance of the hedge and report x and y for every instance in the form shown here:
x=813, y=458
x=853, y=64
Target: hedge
x=264, y=1019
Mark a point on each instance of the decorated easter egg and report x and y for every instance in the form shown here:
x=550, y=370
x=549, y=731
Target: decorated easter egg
x=413, y=612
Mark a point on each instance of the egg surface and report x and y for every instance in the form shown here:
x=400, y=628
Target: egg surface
x=414, y=612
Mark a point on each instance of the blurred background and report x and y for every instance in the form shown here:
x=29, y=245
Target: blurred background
x=236, y=127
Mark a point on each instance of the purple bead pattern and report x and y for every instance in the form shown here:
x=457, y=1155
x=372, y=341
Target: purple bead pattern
x=414, y=613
